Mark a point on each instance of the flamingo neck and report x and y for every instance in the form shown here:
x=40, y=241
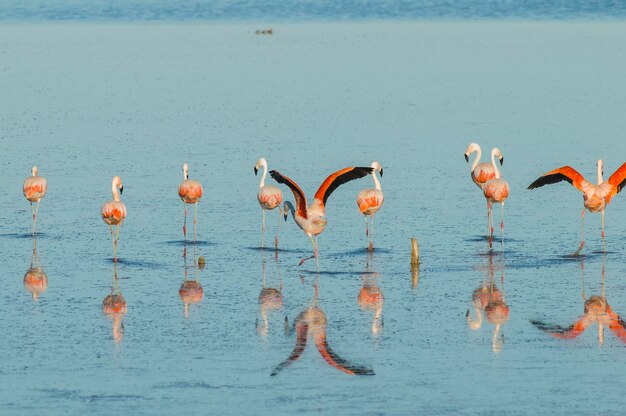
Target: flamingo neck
x=477, y=158
x=495, y=166
x=376, y=181
x=600, y=179
x=264, y=166
x=477, y=323
x=289, y=208
x=35, y=171
x=116, y=192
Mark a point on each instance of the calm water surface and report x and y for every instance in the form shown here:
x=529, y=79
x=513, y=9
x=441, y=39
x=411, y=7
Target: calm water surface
x=89, y=102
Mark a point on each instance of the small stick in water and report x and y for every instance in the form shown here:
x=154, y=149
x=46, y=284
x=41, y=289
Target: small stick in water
x=415, y=252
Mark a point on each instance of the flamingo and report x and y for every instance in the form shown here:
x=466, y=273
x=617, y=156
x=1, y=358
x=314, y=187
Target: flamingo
x=370, y=201
x=34, y=189
x=269, y=196
x=190, y=192
x=496, y=190
x=312, y=219
x=481, y=173
x=595, y=197
x=114, y=307
x=114, y=212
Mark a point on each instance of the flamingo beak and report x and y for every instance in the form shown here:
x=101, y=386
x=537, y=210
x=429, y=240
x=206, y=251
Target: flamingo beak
x=466, y=157
x=285, y=215
x=381, y=172
x=501, y=161
x=121, y=189
x=255, y=170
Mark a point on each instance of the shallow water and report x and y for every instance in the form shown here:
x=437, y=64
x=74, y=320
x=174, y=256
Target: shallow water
x=88, y=102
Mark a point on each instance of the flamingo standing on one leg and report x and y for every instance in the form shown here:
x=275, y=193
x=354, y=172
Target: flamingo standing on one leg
x=370, y=201
x=190, y=192
x=114, y=212
x=496, y=190
x=595, y=197
x=312, y=219
x=481, y=173
x=34, y=189
x=269, y=197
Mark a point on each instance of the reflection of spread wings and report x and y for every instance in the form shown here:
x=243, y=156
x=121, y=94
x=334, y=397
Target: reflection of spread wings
x=558, y=331
x=339, y=363
x=617, y=327
x=302, y=335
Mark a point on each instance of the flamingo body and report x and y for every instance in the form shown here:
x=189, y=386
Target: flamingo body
x=35, y=186
x=370, y=201
x=191, y=292
x=496, y=190
x=190, y=191
x=113, y=212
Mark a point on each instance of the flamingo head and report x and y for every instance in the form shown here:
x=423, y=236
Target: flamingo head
x=117, y=183
x=473, y=147
x=496, y=152
x=34, y=171
x=377, y=167
x=259, y=163
x=185, y=171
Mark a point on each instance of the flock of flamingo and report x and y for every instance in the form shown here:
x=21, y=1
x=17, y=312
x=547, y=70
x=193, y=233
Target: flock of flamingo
x=311, y=218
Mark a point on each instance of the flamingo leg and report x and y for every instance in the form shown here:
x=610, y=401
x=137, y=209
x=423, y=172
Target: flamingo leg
x=195, y=214
x=112, y=240
x=315, y=252
x=117, y=237
x=367, y=232
x=603, y=240
x=582, y=241
x=33, y=210
x=185, y=222
x=35, y=218
x=263, y=229
x=502, y=221
x=280, y=214
x=370, y=247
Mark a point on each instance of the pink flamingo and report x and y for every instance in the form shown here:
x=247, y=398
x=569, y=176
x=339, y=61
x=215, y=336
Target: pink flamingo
x=312, y=219
x=370, y=201
x=595, y=197
x=34, y=189
x=269, y=197
x=114, y=212
x=496, y=190
x=190, y=192
x=481, y=173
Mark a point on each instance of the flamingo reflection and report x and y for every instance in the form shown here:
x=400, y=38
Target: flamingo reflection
x=489, y=299
x=596, y=310
x=312, y=322
x=114, y=307
x=371, y=298
x=35, y=279
x=191, y=292
x=270, y=299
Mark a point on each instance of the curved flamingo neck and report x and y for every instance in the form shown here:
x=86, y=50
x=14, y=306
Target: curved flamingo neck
x=477, y=158
x=493, y=162
x=289, y=207
x=264, y=166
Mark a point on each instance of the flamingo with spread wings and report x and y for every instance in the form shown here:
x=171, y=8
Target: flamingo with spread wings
x=595, y=197
x=312, y=219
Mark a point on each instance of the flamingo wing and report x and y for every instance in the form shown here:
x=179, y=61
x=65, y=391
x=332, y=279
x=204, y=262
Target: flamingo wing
x=565, y=173
x=302, y=335
x=558, y=331
x=297, y=192
x=618, y=180
x=339, y=178
x=339, y=363
x=617, y=326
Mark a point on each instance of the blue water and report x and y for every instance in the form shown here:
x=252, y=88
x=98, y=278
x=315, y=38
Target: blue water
x=296, y=10
x=88, y=101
